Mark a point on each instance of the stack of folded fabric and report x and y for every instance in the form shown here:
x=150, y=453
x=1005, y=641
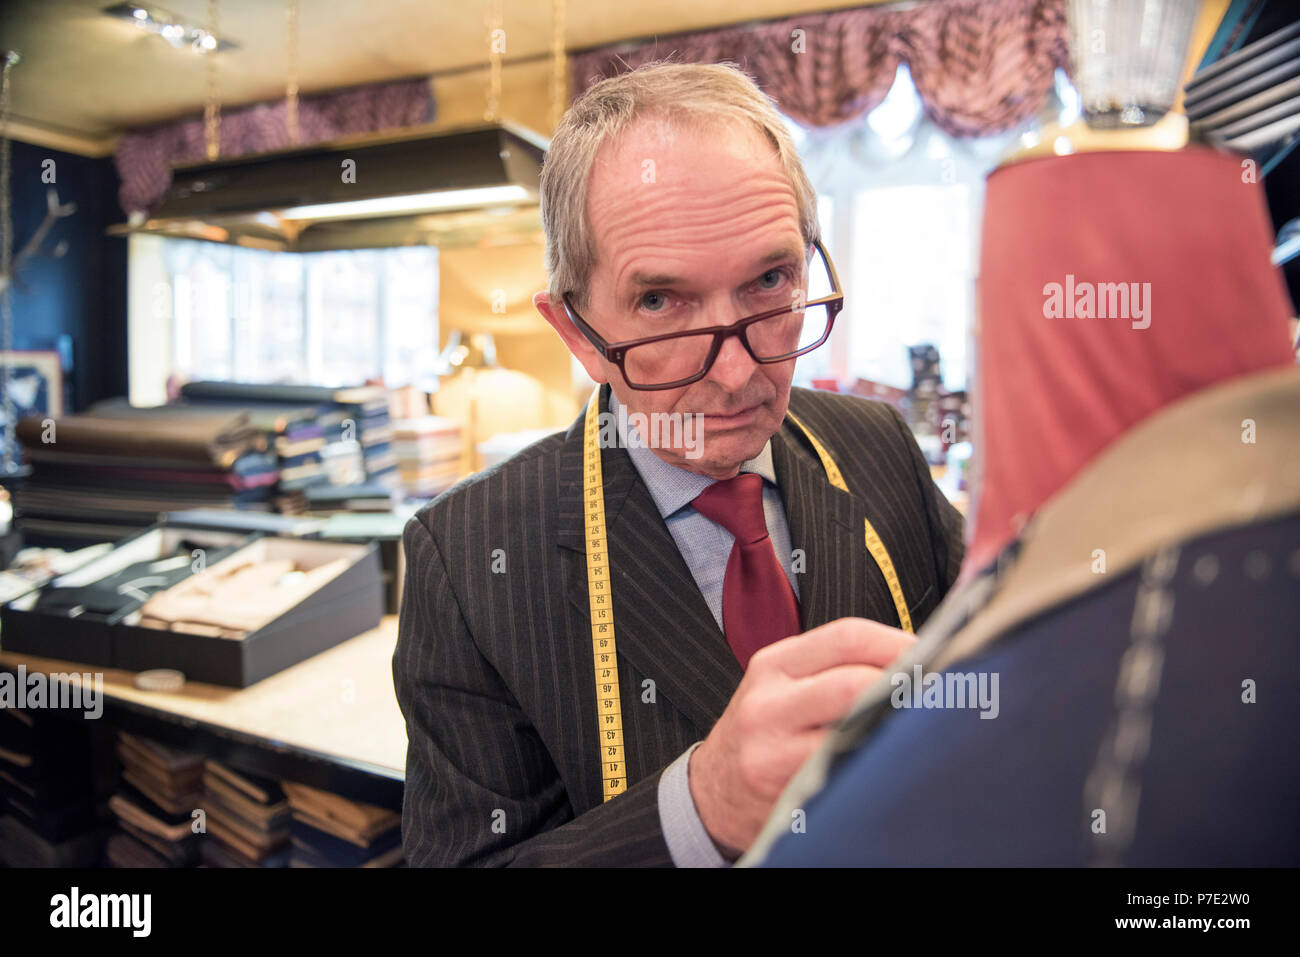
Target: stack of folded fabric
x=429, y=451
x=291, y=435
x=368, y=408
x=161, y=788
x=365, y=497
x=99, y=477
x=331, y=831
x=300, y=446
x=247, y=818
x=48, y=787
x=352, y=415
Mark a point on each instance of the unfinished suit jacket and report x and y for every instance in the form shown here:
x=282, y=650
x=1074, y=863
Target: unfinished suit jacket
x=494, y=670
x=1147, y=708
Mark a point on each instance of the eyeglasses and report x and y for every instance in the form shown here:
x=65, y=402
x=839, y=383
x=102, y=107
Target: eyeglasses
x=674, y=359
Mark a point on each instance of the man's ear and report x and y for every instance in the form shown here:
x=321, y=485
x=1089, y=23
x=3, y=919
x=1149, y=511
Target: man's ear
x=573, y=338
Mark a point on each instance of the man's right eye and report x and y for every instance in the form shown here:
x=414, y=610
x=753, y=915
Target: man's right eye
x=654, y=301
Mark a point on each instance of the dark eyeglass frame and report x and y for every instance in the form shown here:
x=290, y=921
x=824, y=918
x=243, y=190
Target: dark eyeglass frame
x=616, y=352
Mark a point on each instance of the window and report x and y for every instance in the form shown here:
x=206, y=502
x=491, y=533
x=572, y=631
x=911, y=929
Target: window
x=328, y=318
x=344, y=321
x=913, y=280
x=900, y=205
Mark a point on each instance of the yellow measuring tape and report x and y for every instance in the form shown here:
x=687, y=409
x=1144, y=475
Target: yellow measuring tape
x=600, y=596
x=600, y=599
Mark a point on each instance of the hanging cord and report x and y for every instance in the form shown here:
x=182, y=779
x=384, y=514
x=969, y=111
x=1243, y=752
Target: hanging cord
x=496, y=47
x=211, y=106
x=559, y=71
x=11, y=57
x=291, y=56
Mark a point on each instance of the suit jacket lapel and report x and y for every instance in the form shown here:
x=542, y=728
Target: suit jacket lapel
x=840, y=579
x=820, y=517
x=662, y=624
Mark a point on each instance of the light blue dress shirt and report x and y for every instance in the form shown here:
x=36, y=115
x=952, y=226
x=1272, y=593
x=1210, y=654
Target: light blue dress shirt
x=705, y=546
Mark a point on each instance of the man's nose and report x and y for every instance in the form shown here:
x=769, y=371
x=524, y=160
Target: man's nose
x=733, y=367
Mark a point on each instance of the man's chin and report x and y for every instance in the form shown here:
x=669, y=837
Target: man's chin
x=724, y=454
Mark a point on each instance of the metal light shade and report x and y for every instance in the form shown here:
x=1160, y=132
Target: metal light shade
x=1128, y=58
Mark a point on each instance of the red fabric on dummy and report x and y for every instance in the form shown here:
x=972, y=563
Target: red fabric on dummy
x=1051, y=393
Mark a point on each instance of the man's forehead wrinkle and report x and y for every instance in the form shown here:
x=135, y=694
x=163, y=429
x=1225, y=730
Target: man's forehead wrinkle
x=662, y=212
x=628, y=241
x=688, y=223
x=678, y=209
x=682, y=258
x=686, y=238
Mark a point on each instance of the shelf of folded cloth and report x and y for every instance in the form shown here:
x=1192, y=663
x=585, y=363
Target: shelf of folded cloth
x=54, y=787
x=353, y=424
x=177, y=807
x=98, y=477
x=331, y=721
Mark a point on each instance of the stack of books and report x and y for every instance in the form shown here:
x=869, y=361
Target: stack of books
x=247, y=819
x=158, y=805
x=331, y=831
x=429, y=450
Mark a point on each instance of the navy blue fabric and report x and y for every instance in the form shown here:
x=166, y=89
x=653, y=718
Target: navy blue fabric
x=1220, y=786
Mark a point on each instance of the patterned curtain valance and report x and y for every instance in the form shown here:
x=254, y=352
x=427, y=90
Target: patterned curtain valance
x=144, y=157
x=980, y=66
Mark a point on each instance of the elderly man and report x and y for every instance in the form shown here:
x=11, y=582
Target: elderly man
x=618, y=646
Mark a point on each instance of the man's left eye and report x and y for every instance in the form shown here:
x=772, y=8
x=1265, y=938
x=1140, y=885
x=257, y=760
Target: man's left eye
x=771, y=279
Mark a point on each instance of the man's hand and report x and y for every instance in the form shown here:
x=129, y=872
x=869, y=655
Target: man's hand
x=793, y=690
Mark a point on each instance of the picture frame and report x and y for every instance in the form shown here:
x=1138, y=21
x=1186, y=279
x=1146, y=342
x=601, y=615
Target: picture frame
x=34, y=379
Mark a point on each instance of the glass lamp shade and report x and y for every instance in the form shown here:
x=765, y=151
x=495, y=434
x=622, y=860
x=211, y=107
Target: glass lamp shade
x=1128, y=58
x=475, y=350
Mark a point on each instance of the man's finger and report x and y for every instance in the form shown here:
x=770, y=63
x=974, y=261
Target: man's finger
x=845, y=641
x=823, y=698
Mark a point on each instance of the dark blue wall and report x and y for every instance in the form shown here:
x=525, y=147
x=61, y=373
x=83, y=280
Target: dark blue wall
x=81, y=295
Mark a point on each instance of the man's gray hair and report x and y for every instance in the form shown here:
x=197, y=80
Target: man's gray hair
x=685, y=95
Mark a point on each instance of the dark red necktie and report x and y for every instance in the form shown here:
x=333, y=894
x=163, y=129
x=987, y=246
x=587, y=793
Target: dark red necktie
x=758, y=604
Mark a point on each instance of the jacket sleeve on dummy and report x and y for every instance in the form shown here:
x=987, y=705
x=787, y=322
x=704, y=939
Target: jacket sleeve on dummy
x=481, y=788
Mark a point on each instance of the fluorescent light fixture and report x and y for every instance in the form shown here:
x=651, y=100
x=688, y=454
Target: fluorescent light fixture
x=418, y=184
x=411, y=203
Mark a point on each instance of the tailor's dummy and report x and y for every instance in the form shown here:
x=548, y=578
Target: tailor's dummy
x=1114, y=681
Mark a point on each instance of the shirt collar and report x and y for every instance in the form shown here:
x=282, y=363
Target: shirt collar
x=673, y=488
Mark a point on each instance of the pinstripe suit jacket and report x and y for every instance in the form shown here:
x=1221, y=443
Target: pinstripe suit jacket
x=493, y=667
